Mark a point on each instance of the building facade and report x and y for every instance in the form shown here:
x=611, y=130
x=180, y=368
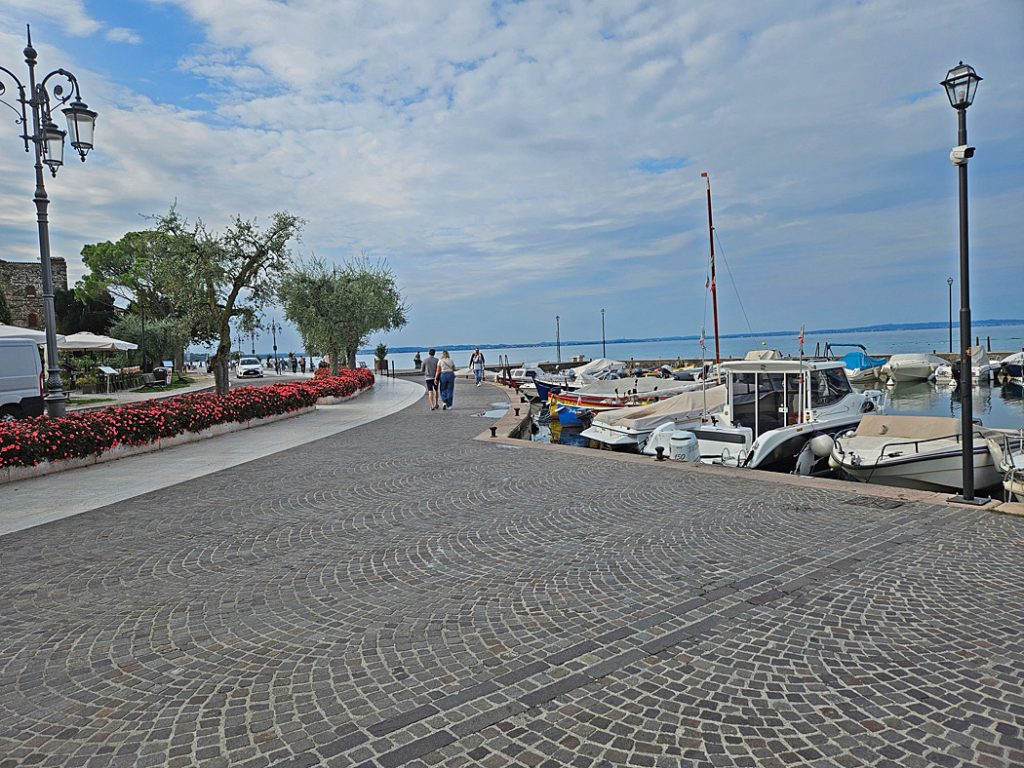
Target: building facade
x=22, y=286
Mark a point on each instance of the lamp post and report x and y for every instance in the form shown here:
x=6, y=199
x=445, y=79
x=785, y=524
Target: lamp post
x=603, y=352
x=252, y=340
x=961, y=83
x=949, y=282
x=35, y=106
x=274, y=328
x=558, y=339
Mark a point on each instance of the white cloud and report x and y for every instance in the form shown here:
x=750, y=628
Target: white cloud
x=69, y=15
x=123, y=35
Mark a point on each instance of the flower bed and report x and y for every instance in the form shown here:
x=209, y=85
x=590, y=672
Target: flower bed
x=29, y=442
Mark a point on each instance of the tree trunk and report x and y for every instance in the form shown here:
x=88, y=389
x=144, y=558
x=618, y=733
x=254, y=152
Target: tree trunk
x=352, y=357
x=335, y=361
x=220, y=368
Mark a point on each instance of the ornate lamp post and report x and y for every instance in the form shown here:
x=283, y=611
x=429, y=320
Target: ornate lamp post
x=35, y=110
x=949, y=282
x=961, y=83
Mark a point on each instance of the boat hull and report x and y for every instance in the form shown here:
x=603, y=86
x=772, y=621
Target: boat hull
x=930, y=472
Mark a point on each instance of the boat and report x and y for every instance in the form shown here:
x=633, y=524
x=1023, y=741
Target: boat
x=860, y=367
x=630, y=428
x=575, y=408
x=775, y=407
x=923, y=452
x=981, y=368
x=912, y=367
x=1007, y=449
x=1012, y=368
x=596, y=370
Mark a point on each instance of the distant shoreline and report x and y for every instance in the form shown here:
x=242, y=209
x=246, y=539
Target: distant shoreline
x=764, y=334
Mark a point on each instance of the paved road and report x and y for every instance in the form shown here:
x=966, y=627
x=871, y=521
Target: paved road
x=400, y=595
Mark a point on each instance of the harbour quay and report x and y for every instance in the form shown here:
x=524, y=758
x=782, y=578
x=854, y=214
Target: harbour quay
x=413, y=592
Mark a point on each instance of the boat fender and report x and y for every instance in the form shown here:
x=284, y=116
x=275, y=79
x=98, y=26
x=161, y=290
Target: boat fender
x=867, y=406
x=821, y=445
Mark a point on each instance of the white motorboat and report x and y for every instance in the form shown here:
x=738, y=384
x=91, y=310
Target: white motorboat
x=924, y=452
x=981, y=368
x=775, y=407
x=630, y=428
x=596, y=370
x=1007, y=449
x=913, y=367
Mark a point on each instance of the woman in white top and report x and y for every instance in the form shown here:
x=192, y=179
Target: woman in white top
x=446, y=379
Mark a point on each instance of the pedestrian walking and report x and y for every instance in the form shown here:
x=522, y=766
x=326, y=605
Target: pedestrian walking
x=446, y=379
x=302, y=365
x=295, y=365
x=476, y=361
x=430, y=378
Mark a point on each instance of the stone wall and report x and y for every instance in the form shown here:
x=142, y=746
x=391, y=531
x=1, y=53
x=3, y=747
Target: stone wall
x=22, y=285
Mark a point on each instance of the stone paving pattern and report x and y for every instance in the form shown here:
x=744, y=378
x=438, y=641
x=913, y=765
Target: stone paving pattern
x=401, y=595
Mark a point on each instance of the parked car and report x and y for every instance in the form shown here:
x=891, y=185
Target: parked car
x=249, y=367
x=21, y=379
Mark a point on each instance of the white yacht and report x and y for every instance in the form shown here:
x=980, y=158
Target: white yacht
x=924, y=452
x=981, y=368
x=774, y=407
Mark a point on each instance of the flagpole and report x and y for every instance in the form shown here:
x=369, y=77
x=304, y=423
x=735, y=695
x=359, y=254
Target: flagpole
x=714, y=286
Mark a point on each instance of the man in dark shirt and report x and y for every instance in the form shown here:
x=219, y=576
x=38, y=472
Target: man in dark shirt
x=429, y=372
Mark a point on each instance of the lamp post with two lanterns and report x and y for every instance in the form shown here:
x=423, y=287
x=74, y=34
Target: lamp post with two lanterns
x=35, y=105
x=961, y=83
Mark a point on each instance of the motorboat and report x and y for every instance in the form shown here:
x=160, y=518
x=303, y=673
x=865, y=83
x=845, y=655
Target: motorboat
x=1012, y=368
x=912, y=367
x=861, y=368
x=924, y=452
x=630, y=428
x=981, y=368
x=775, y=407
x=575, y=378
x=575, y=408
x=1007, y=449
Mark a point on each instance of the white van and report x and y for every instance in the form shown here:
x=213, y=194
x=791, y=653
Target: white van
x=21, y=379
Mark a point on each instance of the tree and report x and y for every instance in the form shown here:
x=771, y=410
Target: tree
x=212, y=279
x=336, y=309
x=78, y=312
x=165, y=336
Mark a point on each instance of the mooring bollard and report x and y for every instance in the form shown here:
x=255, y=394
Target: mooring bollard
x=522, y=399
x=494, y=431
x=517, y=411
x=660, y=450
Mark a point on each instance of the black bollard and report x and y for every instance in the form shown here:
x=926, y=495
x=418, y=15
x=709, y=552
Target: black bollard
x=494, y=431
x=517, y=411
x=660, y=450
x=522, y=399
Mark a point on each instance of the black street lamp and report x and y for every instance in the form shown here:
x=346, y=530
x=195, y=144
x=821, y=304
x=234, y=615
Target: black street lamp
x=603, y=352
x=961, y=83
x=949, y=282
x=47, y=139
x=252, y=340
x=274, y=328
x=558, y=339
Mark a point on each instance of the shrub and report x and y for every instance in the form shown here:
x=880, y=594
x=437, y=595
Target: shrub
x=28, y=442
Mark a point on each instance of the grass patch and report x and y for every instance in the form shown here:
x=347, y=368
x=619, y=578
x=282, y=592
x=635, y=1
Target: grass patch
x=90, y=400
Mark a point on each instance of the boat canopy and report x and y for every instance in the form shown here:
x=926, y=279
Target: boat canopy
x=684, y=407
x=858, y=361
x=978, y=356
x=643, y=385
x=763, y=354
x=598, y=365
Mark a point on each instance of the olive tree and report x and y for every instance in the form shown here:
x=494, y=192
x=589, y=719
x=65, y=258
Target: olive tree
x=337, y=308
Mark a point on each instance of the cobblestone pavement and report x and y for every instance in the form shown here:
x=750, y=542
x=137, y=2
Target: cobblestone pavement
x=400, y=595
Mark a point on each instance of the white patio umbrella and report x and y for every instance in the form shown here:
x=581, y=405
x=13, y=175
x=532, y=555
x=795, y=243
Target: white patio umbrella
x=15, y=332
x=86, y=340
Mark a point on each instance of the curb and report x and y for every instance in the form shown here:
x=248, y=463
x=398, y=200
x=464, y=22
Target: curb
x=17, y=474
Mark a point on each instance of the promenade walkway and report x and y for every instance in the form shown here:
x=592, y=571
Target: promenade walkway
x=400, y=594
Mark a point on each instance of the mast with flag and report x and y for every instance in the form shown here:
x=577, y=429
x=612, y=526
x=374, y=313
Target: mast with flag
x=801, y=340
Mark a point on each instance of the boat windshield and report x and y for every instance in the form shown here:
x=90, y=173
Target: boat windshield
x=828, y=386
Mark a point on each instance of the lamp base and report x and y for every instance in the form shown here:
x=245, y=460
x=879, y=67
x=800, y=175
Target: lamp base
x=977, y=501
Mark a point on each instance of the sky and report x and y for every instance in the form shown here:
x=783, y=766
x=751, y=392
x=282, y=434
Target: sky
x=514, y=161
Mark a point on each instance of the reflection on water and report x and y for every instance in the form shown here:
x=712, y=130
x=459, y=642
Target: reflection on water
x=995, y=405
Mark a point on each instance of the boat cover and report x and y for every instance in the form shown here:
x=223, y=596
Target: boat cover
x=643, y=385
x=978, y=356
x=857, y=361
x=596, y=366
x=915, y=359
x=763, y=354
x=683, y=407
x=907, y=427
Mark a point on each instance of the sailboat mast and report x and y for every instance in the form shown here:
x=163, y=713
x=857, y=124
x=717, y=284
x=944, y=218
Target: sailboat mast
x=714, y=285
